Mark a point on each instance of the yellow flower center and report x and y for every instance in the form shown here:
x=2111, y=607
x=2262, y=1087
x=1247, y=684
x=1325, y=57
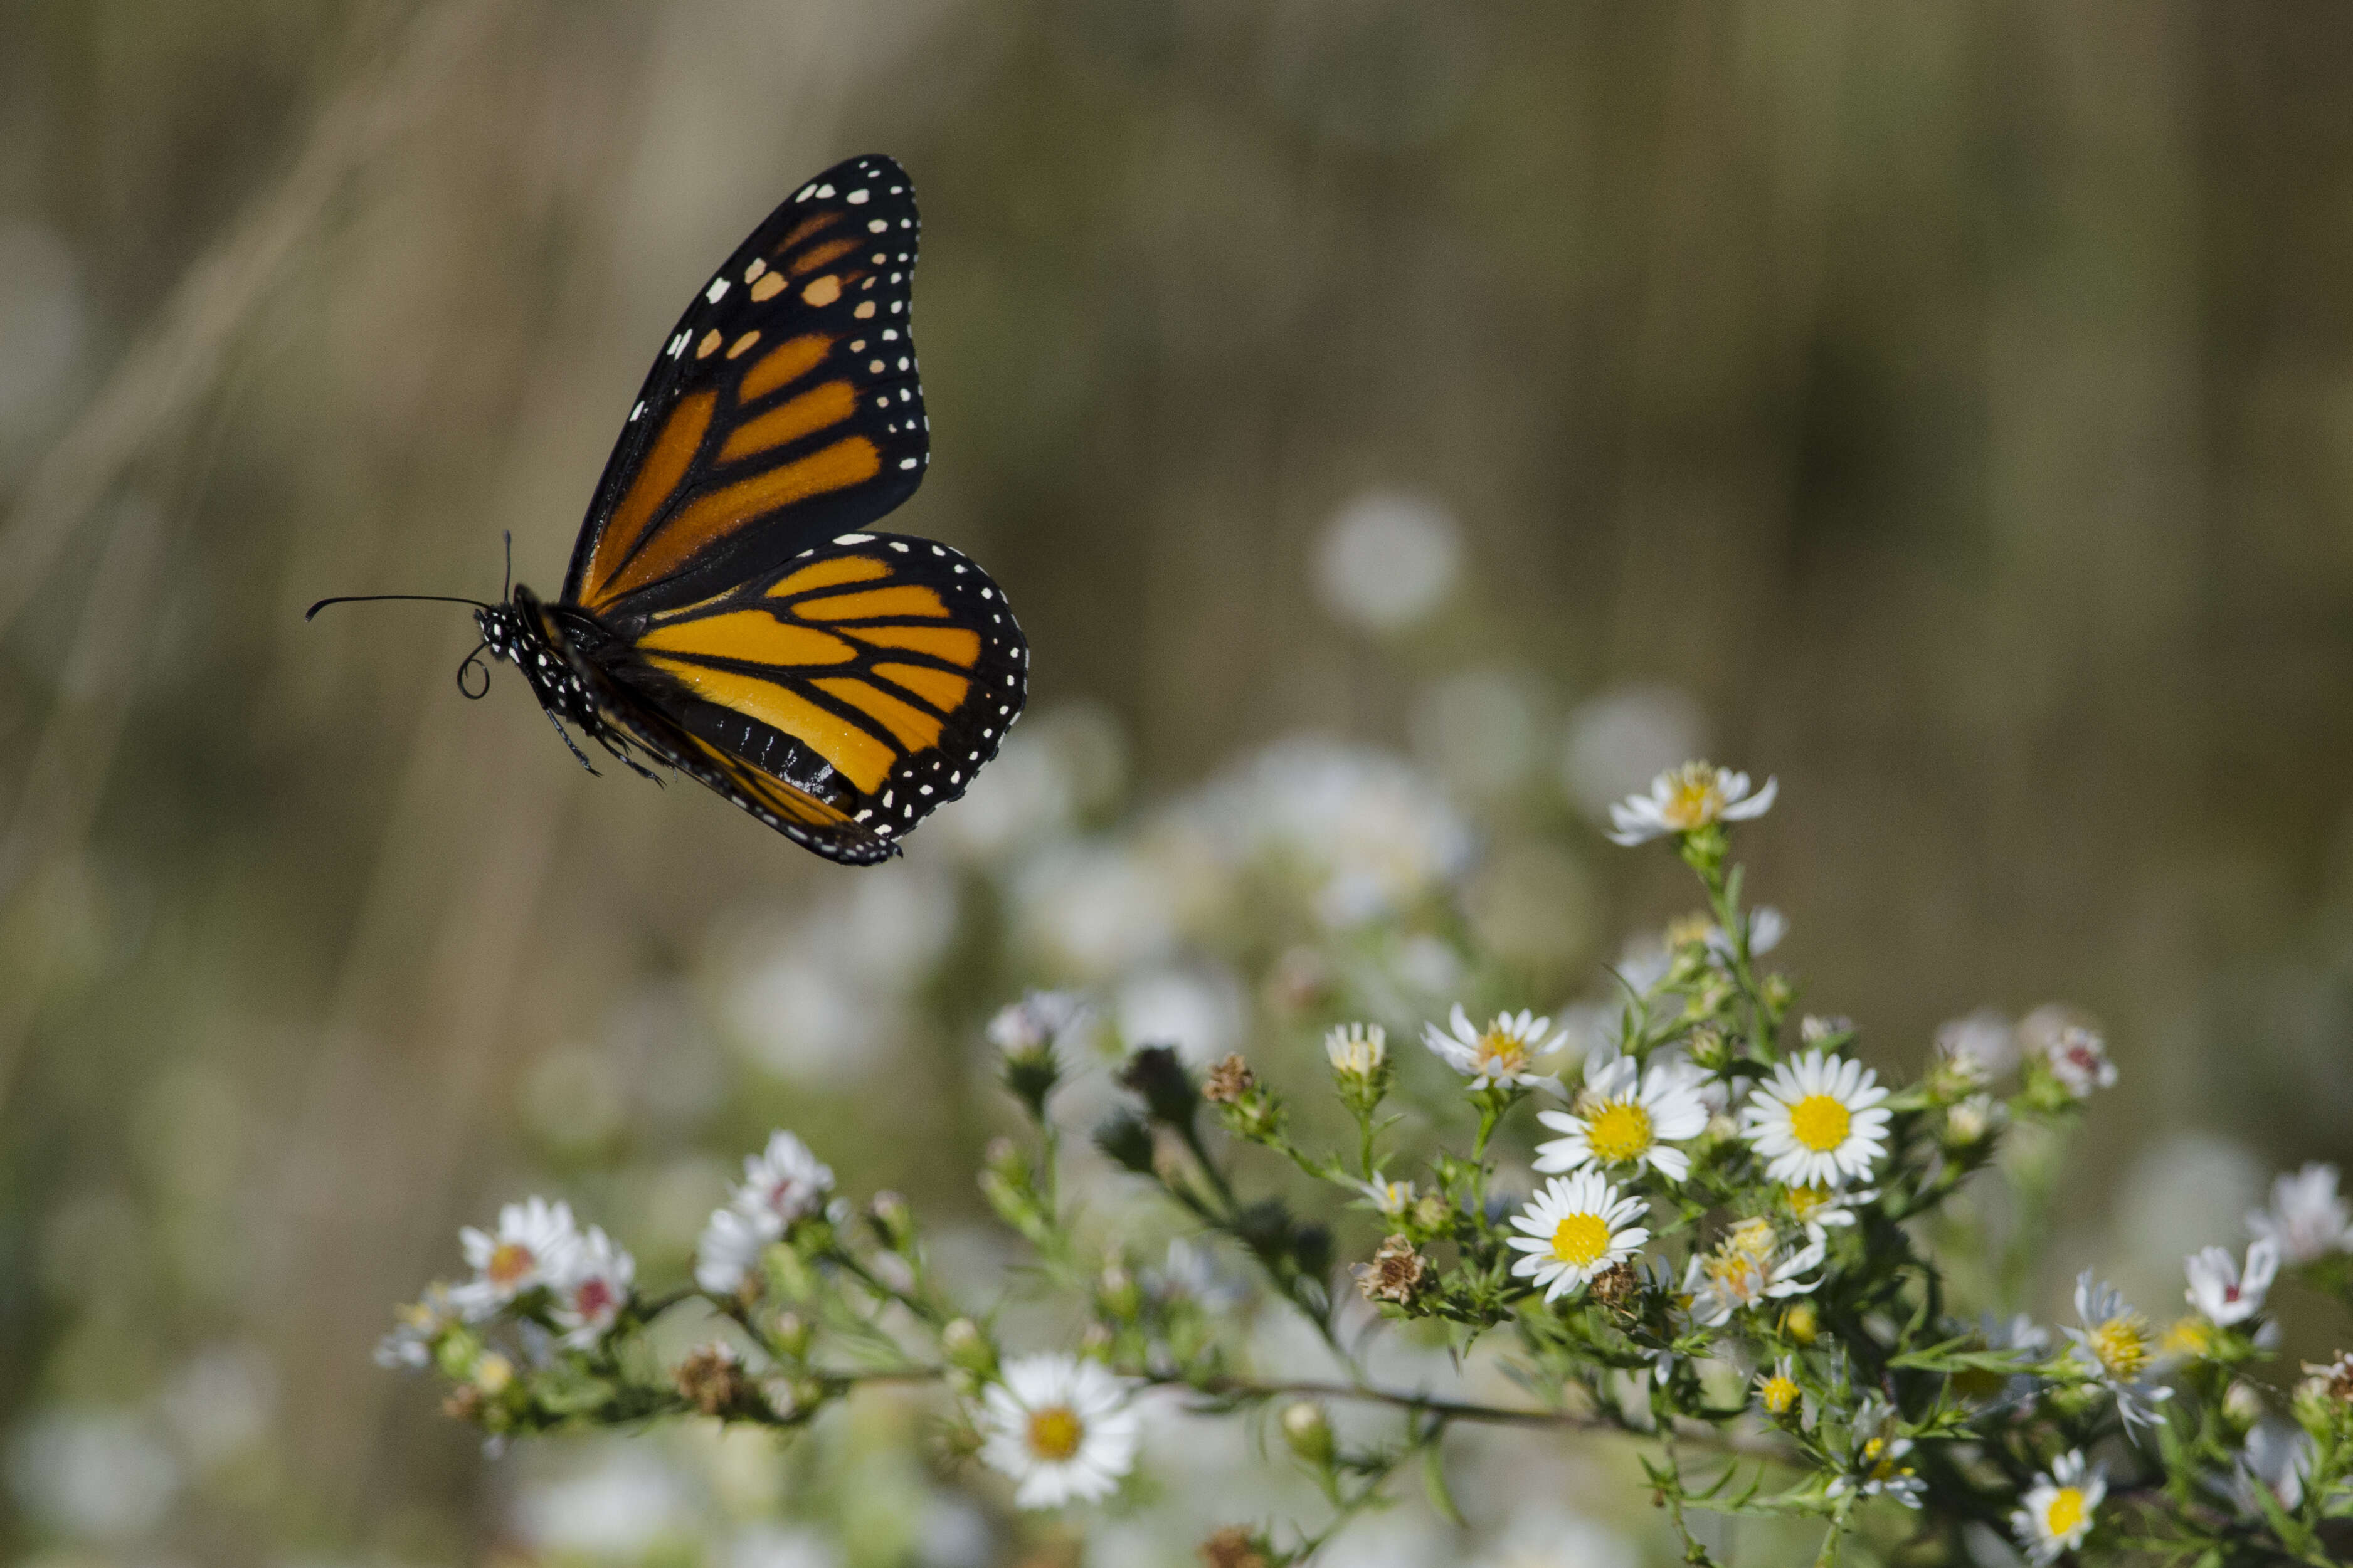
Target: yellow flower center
x=1882, y=1463
x=1800, y=1324
x=1804, y=1201
x=2190, y=1337
x=511, y=1264
x=2064, y=1512
x=1779, y=1394
x=1695, y=799
x=2122, y=1344
x=1580, y=1238
x=1055, y=1432
x=1686, y=929
x=1750, y=1241
x=1621, y=1131
x=1820, y=1122
x=1502, y=1052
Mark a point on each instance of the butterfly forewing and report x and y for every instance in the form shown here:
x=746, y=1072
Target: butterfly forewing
x=869, y=677
x=784, y=409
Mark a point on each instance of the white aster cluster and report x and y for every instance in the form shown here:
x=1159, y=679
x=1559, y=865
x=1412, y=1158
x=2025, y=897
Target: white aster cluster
x=537, y=1246
x=782, y=1184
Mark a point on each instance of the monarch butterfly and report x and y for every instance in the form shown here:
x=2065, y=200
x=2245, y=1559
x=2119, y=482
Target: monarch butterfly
x=727, y=611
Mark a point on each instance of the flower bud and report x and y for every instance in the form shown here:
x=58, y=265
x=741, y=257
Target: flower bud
x=1800, y=1324
x=967, y=1347
x=2242, y=1406
x=1128, y=1142
x=1116, y=1291
x=1305, y=1428
x=1155, y=1075
x=1972, y=1121
x=893, y=1221
x=791, y=1334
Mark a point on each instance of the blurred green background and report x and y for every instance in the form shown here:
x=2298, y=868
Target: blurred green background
x=1947, y=409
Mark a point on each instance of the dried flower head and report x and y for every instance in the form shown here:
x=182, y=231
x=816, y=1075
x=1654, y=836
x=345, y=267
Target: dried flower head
x=1396, y=1273
x=711, y=1379
x=1228, y=1081
x=1235, y=1546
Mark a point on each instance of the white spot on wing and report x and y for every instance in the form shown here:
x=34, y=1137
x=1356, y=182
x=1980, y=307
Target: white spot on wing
x=717, y=292
x=858, y=198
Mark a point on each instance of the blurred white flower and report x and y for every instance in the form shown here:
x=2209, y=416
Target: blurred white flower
x=767, y=1545
x=613, y=1509
x=2278, y=1457
x=783, y=1183
x=220, y=1403
x=1389, y=1199
x=532, y=1248
x=92, y=1475
x=2060, y=1507
x=1983, y=1041
x=1035, y=1022
x=1747, y=1268
x=1093, y=910
x=1356, y=1050
x=1505, y=1051
x=415, y=1327
x=1548, y=1536
x=1687, y=798
x=1766, y=927
x=2307, y=1218
x=2114, y=1344
x=1818, y=1121
x=1618, y=741
x=1626, y=1115
x=1062, y=1427
x=2218, y=1290
x=1572, y=1229
x=1386, y=560
x=2079, y=1060
x=729, y=1251
x=1477, y=730
x=594, y=1289
x=1367, y=834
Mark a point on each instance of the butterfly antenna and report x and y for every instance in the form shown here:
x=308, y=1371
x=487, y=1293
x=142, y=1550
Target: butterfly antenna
x=379, y=598
x=474, y=661
x=506, y=589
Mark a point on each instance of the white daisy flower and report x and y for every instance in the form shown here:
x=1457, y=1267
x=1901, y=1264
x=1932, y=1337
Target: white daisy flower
x=1824, y=1209
x=2078, y=1058
x=532, y=1247
x=1062, y=1427
x=1877, y=1466
x=417, y=1329
x=1356, y=1050
x=1817, y=1121
x=1504, y=1052
x=785, y=1181
x=1685, y=799
x=728, y=1252
x=1777, y=1388
x=2218, y=1290
x=593, y=1288
x=2058, y=1508
x=1389, y=1199
x=1766, y=927
x=2307, y=1218
x=2278, y=1457
x=1747, y=1268
x=1626, y=1115
x=2115, y=1346
x=1575, y=1228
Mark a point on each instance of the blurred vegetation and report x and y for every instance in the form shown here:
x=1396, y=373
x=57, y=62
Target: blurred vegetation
x=1943, y=409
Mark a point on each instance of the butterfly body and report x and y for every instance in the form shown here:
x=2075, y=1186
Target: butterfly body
x=728, y=612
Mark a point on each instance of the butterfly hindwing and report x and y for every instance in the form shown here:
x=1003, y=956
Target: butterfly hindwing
x=842, y=695
x=784, y=409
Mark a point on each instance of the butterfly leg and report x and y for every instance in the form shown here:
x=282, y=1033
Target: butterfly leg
x=568, y=744
x=619, y=748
